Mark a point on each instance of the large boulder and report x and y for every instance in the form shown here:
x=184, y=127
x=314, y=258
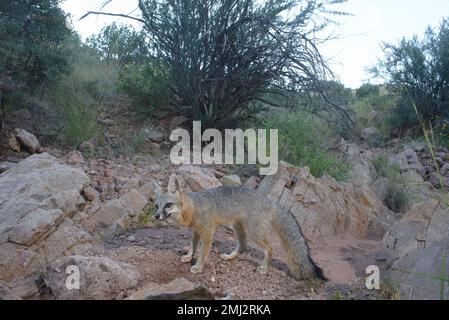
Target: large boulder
x=38, y=198
x=100, y=278
x=324, y=207
x=418, y=243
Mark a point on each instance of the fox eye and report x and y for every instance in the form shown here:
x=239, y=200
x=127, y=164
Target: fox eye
x=168, y=205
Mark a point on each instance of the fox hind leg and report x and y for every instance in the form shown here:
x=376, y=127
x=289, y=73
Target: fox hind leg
x=239, y=232
x=263, y=268
x=188, y=257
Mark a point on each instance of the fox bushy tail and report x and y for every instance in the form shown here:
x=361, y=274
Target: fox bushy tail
x=300, y=263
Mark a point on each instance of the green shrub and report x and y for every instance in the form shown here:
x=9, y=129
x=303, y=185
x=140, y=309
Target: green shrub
x=147, y=86
x=32, y=34
x=417, y=72
x=78, y=95
x=131, y=144
x=79, y=117
x=301, y=140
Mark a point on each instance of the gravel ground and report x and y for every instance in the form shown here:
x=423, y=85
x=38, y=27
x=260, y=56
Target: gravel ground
x=156, y=252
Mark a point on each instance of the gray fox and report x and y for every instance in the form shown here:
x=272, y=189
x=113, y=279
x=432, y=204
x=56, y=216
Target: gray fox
x=248, y=213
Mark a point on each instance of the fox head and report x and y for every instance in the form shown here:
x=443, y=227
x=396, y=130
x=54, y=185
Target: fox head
x=174, y=204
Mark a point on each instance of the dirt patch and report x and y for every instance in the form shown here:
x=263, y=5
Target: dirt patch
x=156, y=252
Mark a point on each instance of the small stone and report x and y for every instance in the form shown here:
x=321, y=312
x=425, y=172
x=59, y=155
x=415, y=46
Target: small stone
x=231, y=180
x=108, y=173
x=26, y=139
x=132, y=238
x=154, y=135
x=90, y=193
x=75, y=157
x=13, y=144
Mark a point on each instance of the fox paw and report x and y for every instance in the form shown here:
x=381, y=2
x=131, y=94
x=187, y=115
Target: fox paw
x=196, y=269
x=186, y=258
x=262, y=270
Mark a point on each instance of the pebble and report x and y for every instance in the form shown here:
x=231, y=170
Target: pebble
x=132, y=238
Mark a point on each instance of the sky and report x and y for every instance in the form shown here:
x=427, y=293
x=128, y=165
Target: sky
x=359, y=36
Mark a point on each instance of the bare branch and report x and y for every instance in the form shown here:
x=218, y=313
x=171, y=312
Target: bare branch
x=113, y=15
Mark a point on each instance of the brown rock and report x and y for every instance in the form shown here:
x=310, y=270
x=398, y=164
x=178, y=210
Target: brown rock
x=74, y=157
x=13, y=144
x=197, y=178
x=90, y=193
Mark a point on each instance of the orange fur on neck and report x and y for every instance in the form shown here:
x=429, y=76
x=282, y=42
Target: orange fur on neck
x=187, y=210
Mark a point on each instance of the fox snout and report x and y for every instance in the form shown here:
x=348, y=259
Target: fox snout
x=160, y=215
x=163, y=213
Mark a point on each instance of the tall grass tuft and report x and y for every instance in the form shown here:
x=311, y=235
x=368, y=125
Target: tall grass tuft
x=397, y=198
x=302, y=140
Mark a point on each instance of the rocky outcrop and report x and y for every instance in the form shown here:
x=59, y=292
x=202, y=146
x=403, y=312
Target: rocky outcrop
x=38, y=199
x=418, y=244
x=324, y=207
x=99, y=277
x=358, y=158
x=407, y=160
x=115, y=216
x=338, y=219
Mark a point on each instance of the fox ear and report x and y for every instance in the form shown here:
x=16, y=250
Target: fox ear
x=174, y=185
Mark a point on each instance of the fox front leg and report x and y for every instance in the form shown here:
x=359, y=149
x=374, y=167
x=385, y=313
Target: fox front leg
x=206, y=244
x=192, y=249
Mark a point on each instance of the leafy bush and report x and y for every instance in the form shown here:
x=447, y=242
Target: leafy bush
x=32, y=34
x=301, y=140
x=148, y=87
x=418, y=71
x=120, y=44
x=223, y=55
